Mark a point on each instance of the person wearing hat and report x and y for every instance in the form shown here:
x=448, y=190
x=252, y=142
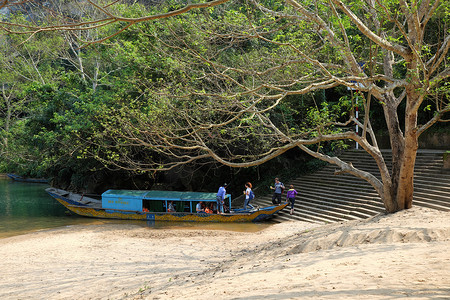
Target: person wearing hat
x=220, y=198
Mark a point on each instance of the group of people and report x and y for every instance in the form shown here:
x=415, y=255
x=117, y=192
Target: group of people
x=219, y=207
x=220, y=200
x=249, y=195
x=210, y=208
x=278, y=190
x=221, y=194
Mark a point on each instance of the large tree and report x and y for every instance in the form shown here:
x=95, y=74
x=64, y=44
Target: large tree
x=23, y=68
x=242, y=62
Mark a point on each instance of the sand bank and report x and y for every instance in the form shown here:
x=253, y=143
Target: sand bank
x=394, y=256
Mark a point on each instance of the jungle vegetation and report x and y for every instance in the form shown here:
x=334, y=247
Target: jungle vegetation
x=152, y=87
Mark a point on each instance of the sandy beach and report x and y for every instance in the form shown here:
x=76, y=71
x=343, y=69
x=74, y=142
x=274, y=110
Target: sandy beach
x=405, y=255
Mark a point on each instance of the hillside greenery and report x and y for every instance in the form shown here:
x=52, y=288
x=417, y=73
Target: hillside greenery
x=95, y=117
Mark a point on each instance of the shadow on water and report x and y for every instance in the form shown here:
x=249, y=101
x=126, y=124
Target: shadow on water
x=26, y=207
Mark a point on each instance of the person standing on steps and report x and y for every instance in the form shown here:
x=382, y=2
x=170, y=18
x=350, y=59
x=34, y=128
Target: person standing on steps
x=290, y=196
x=278, y=189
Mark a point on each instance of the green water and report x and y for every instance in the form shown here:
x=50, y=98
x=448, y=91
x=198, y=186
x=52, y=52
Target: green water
x=26, y=207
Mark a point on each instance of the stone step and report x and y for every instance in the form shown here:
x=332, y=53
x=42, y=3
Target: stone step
x=443, y=181
x=444, y=198
x=338, y=210
x=285, y=216
x=428, y=187
x=342, y=209
x=421, y=186
x=313, y=216
x=350, y=205
x=424, y=203
x=357, y=186
x=356, y=199
x=325, y=197
x=422, y=161
x=325, y=175
x=388, y=152
x=334, y=207
x=328, y=211
x=371, y=165
x=358, y=157
x=341, y=180
x=430, y=201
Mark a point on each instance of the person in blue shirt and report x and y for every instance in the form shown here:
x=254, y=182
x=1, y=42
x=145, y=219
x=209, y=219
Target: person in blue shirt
x=278, y=189
x=200, y=207
x=220, y=198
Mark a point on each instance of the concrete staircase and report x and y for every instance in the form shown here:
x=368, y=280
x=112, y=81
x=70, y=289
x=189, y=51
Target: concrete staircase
x=326, y=198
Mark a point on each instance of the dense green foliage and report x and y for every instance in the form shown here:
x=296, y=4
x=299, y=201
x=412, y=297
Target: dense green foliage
x=75, y=113
x=57, y=99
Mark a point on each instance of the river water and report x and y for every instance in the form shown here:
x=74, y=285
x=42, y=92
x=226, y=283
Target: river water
x=26, y=207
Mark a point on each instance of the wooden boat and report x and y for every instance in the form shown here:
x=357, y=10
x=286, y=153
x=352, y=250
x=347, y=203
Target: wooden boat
x=150, y=206
x=25, y=179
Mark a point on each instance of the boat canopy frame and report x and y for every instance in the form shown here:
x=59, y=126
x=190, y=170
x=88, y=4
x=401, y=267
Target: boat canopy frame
x=134, y=199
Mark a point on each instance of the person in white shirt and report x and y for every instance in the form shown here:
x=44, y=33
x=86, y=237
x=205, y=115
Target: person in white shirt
x=248, y=190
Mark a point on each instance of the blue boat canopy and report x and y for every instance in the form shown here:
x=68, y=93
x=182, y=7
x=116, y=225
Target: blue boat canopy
x=136, y=200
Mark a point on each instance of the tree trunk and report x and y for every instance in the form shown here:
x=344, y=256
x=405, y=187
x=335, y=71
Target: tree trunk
x=388, y=198
x=406, y=180
x=397, y=147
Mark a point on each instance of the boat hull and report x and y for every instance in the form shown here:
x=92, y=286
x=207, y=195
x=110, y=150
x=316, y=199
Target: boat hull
x=97, y=212
x=28, y=180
